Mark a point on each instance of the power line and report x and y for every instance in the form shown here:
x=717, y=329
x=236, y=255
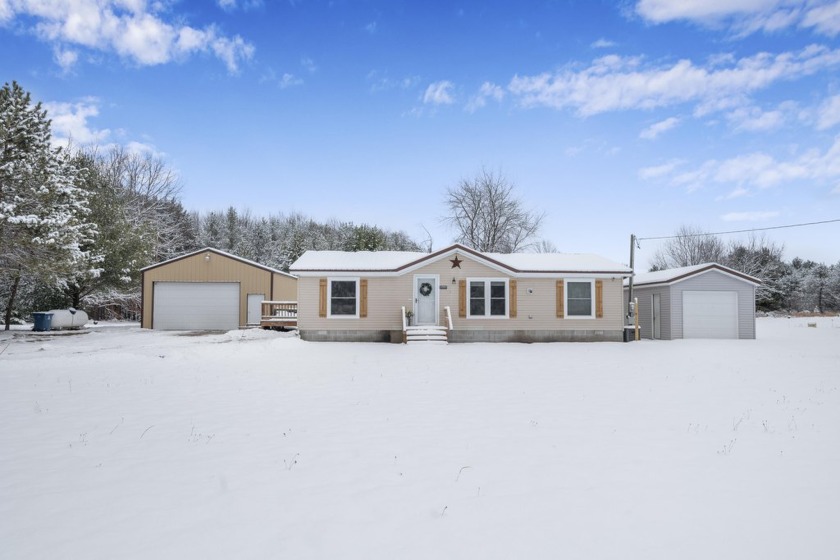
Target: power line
x=736, y=231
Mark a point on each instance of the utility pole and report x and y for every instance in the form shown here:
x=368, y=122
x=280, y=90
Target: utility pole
x=630, y=309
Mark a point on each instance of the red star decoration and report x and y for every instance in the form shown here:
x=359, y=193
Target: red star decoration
x=456, y=262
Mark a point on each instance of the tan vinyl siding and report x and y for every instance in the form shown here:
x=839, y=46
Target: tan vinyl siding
x=535, y=302
x=219, y=268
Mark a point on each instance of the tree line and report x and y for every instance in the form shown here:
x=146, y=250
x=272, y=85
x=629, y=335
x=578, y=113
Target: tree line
x=78, y=224
x=794, y=285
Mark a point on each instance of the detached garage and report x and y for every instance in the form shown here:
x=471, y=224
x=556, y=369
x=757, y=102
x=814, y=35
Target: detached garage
x=210, y=290
x=701, y=301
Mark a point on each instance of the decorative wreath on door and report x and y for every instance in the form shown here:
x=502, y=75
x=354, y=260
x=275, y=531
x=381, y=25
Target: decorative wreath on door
x=425, y=289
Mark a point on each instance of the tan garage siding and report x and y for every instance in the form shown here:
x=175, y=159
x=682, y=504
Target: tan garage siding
x=219, y=267
x=284, y=288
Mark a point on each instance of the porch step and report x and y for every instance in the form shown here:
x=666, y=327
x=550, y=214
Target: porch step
x=426, y=334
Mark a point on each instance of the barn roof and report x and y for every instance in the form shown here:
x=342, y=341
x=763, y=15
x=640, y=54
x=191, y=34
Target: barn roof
x=673, y=275
x=217, y=252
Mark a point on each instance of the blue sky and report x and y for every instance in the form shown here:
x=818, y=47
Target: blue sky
x=611, y=117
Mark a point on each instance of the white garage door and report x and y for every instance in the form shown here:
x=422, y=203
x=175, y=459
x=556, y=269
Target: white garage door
x=710, y=314
x=196, y=306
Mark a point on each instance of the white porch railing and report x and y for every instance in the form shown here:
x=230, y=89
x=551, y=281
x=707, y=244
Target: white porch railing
x=427, y=333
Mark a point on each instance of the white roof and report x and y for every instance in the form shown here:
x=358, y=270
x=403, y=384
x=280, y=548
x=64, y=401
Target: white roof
x=218, y=252
x=549, y=262
x=395, y=261
x=355, y=260
x=675, y=274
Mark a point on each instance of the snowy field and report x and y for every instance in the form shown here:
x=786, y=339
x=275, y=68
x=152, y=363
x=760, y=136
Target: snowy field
x=125, y=443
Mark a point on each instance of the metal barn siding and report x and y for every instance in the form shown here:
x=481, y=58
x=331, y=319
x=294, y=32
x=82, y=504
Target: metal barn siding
x=714, y=280
x=710, y=279
x=645, y=310
x=210, y=265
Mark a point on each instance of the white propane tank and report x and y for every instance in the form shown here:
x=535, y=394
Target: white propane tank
x=68, y=318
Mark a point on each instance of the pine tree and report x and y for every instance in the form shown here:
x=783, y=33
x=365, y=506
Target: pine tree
x=43, y=212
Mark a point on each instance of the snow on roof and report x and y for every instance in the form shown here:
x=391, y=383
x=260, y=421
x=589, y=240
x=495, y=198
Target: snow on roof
x=555, y=262
x=672, y=274
x=392, y=261
x=356, y=260
x=218, y=252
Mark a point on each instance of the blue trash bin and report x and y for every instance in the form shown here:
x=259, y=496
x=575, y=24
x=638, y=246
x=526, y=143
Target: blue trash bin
x=43, y=321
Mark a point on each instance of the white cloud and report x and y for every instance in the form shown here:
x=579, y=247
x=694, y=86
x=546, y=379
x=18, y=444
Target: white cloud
x=658, y=128
x=232, y=5
x=737, y=192
x=657, y=171
x=289, y=80
x=142, y=148
x=754, y=119
x=65, y=58
x=380, y=82
x=825, y=19
x=69, y=122
x=371, y=27
x=439, y=93
x=828, y=115
x=602, y=44
x=613, y=83
x=133, y=29
x=487, y=91
x=756, y=216
x=308, y=64
x=744, y=17
x=285, y=80
x=761, y=171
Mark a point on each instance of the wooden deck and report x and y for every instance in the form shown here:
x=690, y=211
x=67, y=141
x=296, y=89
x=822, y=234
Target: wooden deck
x=280, y=315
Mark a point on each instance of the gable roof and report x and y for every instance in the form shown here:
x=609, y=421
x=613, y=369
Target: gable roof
x=218, y=252
x=673, y=275
x=397, y=262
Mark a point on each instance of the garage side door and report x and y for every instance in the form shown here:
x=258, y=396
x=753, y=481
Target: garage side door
x=196, y=306
x=709, y=314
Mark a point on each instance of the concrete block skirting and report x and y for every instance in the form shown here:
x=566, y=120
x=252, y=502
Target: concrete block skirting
x=469, y=336
x=348, y=336
x=536, y=336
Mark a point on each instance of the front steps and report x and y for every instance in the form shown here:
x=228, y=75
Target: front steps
x=426, y=334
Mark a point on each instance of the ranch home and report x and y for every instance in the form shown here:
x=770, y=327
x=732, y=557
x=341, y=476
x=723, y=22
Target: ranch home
x=459, y=294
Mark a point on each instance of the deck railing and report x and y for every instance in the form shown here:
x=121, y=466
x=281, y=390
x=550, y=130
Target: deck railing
x=279, y=314
x=448, y=312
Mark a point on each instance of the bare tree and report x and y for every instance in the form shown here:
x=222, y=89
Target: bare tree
x=488, y=216
x=762, y=258
x=689, y=246
x=545, y=246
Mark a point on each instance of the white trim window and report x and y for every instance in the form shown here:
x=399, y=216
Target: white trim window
x=343, y=298
x=580, y=299
x=487, y=297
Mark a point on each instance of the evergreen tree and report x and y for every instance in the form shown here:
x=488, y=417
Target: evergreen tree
x=44, y=229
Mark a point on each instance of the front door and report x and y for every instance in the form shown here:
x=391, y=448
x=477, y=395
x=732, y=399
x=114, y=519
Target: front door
x=656, y=305
x=425, y=300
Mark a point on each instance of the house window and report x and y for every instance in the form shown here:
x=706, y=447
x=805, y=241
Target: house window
x=579, y=298
x=344, y=297
x=488, y=297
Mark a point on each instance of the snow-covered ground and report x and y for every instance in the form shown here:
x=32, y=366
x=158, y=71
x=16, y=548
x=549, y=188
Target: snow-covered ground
x=128, y=443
